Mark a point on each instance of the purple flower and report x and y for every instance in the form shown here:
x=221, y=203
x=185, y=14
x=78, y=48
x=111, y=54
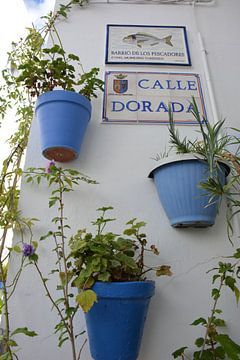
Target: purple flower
x=48, y=167
x=28, y=249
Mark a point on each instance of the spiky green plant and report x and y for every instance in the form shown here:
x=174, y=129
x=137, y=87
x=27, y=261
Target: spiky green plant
x=211, y=146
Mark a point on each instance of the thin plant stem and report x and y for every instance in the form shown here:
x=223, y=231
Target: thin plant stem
x=65, y=287
x=81, y=349
x=15, y=281
x=51, y=298
x=210, y=320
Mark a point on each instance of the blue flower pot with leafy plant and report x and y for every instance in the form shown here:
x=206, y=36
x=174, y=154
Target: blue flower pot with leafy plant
x=115, y=323
x=63, y=117
x=110, y=272
x=63, y=97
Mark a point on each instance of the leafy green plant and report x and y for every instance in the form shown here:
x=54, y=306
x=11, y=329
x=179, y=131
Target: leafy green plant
x=215, y=344
x=10, y=216
x=62, y=181
x=39, y=69
x=109, y=257
x=231, y=189
x=52, y=68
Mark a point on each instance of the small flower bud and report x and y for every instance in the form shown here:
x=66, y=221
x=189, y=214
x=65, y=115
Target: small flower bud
x=49, y=166
x=28, y=249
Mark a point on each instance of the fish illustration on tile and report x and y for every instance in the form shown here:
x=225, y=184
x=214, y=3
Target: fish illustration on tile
x=144, y=39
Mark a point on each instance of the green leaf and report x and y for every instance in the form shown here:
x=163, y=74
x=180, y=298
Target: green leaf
x=140, y=224
x=215, y=277
x=219, y=322
x=219, y=351
x=35, y=244
x=70, y=311
x=59, y=301
x=199, y=321
x=129, y=232
x=230, y=347
x=123, y=244
x=179, y=352
x=105, y=208
x=17, y=249
x=129, y=252
x=73, y=57
x=86, y=299
x=230, y=282
x=131, y=222
x=52, y=202
x=206, y=355
x=224, y=267
x=6, y=356
x=62, y=341
x=215, y=294
x=12, y=343
x=199, y=342
x=127, y=261
x=236, y=255
x=218, y=311
x=46, y=236
x=237, y=294
x=68, y=181
x=29, y=179
x=115, y=263
x=24, y=331
x=33, y=257
x=104, y=276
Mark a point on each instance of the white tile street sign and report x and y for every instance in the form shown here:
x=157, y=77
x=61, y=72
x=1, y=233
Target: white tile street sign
x=143, y=97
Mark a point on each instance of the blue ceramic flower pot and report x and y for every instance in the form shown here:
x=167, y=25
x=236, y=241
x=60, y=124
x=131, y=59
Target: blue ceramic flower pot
x=115, y=323
x=63, y=117
x=185, y=203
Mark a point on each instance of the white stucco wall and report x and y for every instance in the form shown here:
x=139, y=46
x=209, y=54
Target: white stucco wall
x=119, y=157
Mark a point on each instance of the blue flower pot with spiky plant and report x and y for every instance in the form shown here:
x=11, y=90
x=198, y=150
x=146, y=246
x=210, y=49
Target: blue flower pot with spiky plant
x=185, y=203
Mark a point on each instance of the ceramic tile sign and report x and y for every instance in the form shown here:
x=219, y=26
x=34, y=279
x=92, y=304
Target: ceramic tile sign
x=143, y=97
x=138, y=44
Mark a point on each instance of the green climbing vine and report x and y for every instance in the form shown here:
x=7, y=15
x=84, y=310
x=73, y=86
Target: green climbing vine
x=17, y=96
